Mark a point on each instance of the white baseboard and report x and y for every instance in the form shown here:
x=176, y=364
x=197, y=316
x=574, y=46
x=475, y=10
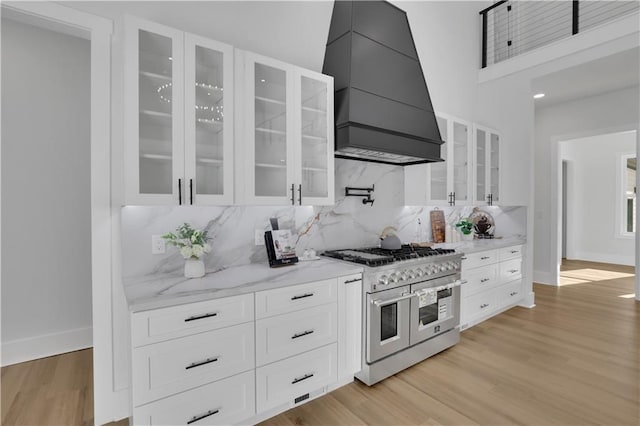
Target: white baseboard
x=543, y=277
x=616, y=259
x=22, y=350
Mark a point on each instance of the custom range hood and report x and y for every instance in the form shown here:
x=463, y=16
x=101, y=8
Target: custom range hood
x=383, y=111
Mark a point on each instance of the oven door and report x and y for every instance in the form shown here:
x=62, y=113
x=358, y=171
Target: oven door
x=387, y=322
x=435, y=309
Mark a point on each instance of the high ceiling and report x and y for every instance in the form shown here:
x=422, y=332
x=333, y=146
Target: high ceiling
x=611, y=73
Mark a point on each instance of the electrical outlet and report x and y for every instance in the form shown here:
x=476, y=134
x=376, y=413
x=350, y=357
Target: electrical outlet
x=259, y=237
x=157, y=244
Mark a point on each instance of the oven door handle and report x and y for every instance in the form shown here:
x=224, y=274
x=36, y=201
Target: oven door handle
x=379, y=303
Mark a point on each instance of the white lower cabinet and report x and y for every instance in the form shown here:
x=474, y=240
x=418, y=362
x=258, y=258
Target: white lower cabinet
x=493, y=284
x=224, y=402
x=242, y=359
x=293, y=379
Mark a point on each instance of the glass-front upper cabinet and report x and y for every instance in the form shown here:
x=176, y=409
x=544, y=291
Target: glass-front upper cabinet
x=178, y=143
x=487, y=165
x=288, y=119
x=209, y=121
x=438, y=189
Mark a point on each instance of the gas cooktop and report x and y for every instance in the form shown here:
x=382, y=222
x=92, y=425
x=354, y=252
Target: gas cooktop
x=375, y=256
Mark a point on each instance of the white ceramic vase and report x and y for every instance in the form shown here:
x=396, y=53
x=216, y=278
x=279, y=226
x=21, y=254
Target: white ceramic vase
x=193, y=268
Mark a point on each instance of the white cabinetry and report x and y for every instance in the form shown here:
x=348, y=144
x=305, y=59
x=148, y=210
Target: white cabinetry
x=470, y=173
x=447, y=182
x=287, y=133
x=245, y=358
x=486, y=165
x=493, y=283
x=178, y=111
x=194, y=363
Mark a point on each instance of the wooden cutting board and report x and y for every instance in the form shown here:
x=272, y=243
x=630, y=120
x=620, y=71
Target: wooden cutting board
x=437, y=225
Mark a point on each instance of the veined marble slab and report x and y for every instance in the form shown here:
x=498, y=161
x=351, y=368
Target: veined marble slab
x=482, y=245
x=163, y=290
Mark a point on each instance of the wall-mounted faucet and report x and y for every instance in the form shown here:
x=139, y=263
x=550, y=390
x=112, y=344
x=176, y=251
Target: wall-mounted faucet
x=360, y=192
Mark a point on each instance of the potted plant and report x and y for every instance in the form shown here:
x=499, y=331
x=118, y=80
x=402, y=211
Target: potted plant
x=465, y=226
x=192, y=245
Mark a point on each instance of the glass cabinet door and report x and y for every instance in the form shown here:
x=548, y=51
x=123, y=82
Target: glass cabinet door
x=481, y=165
x=438, y=171
x=153, y=105
x=316, y=140
x=494, y=172
x=270, y=150
x=208, y=121
x=460, y=145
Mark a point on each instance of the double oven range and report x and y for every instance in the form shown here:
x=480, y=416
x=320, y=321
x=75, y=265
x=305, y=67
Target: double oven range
x=411, y=306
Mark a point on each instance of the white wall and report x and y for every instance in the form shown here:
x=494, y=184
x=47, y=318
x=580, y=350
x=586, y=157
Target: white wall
x=610, y=112
x=46, y=246
x=593, y=196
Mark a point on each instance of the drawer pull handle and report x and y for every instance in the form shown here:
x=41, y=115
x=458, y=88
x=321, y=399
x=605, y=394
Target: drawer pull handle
x=514, y=251
x=198, y=364
x=299, y=379
x=199, y=317
x=302, y=296
x=513, y=293
x=203, y=416
x=463, y=258
x=484, y=305
x=304, y=333
x=513, y=271
x=484, y=280
x=485, y=258
x=355, y=280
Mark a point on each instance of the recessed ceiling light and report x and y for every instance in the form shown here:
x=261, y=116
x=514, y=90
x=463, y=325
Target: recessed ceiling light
x=538, y=96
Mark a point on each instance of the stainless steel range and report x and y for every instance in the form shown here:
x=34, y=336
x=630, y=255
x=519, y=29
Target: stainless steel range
x=411, y=306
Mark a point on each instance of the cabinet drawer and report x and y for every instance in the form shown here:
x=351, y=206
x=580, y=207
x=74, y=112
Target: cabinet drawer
x=509, y=293
x=510, y=270
x=288, y=379
x=290, y=334
x=168, y=323
x=507, y=253
x=180, y=364
x=479, y=279
x=478, y=305
x=481, y=258
x=294, y=298
x=227, y=401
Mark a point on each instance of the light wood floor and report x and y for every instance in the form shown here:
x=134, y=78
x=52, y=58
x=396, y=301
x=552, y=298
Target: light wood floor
x=572, y=360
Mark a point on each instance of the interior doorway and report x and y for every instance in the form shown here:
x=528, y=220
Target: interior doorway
x=594, y=192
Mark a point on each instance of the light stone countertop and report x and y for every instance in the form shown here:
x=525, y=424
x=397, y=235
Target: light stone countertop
x=482, y=245
x=163, y=290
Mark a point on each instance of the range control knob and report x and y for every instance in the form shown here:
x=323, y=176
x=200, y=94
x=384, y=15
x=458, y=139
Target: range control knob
x=404, y=276
x=394, y=277
x=411, y=274
x=450, y=265
x=443, y=267
x=383, y=280
x=419, y=272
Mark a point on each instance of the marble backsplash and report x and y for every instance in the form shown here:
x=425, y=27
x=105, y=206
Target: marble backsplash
x=346, y=224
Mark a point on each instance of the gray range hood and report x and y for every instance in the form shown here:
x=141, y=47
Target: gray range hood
x=383, y=111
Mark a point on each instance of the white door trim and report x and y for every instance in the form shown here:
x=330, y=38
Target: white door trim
x=108, y=404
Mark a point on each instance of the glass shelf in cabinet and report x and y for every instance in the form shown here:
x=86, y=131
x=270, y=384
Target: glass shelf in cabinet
x=271, y=166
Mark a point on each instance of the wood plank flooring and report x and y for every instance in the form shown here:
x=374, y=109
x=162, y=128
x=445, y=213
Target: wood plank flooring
x=571, y=360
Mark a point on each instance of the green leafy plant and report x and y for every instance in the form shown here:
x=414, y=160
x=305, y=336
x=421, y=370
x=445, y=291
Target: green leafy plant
x=465, y=226
x=191, y=242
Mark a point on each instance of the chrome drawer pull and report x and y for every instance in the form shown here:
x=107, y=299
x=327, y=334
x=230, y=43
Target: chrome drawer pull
x=514, y=251
x=484, y=305
x=355, y=280
x=203, y=416
x=299, y=379
x=513, y=271
x=198, y=364
x=513, y=293
x=463, y=258
x=304, y=333
x=199, y=317
x=302, y=296
x=485, y=258
x=484, y=280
